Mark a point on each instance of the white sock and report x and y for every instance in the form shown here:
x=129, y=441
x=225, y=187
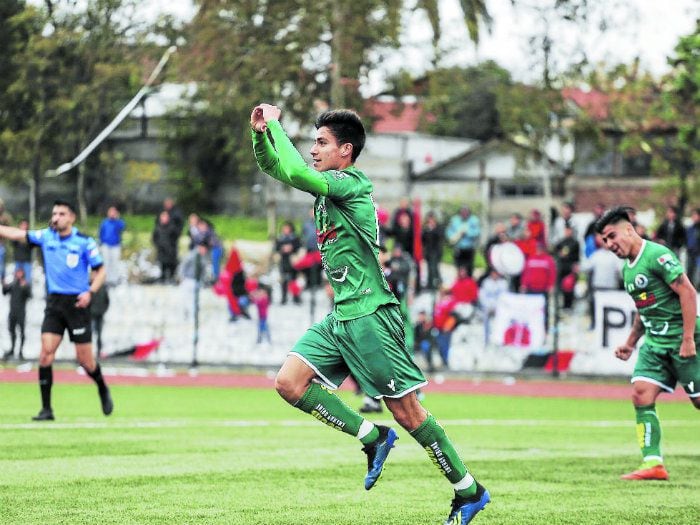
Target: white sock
x=365, y=428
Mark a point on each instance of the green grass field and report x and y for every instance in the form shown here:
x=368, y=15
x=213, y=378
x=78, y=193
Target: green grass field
x=233, y=456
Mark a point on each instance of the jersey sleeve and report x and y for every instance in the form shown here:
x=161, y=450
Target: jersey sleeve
x=342, y=185
x=292, y=164
x=93, y=254
x=667, y=265
x=266, y=156
x=36, y=237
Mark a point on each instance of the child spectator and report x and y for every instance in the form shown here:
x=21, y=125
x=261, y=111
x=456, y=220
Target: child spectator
x=261, y=298
x=536, y=227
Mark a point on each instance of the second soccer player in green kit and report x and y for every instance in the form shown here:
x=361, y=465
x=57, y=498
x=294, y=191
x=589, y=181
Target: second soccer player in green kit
x=666, y=304
x=363, y=336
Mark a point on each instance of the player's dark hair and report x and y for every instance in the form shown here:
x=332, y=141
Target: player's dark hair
x=346, y=127
x=613, y=216
x=67, y=204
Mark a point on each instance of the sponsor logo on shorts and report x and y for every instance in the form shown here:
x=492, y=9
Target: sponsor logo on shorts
x=79, y=331
x=391, y=385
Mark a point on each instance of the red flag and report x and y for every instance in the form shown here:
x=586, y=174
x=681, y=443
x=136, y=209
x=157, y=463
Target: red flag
x=417, y=232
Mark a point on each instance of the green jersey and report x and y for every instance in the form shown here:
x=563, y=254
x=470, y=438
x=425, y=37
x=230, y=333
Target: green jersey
x=346, y=224
x=647, y=280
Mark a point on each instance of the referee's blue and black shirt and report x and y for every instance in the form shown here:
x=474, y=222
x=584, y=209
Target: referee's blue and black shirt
x=67, y=260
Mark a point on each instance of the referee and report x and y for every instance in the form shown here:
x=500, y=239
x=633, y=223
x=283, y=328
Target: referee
x=68, y=258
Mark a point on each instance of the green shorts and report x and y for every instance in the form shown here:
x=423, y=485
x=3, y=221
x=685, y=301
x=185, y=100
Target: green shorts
x=663, y=366
x=371, y=348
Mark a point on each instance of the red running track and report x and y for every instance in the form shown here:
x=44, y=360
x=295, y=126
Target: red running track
x=510, y=387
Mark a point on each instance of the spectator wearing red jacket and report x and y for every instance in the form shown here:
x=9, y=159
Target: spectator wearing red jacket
x=464, y=289
x=539, y=276
x=535, y=225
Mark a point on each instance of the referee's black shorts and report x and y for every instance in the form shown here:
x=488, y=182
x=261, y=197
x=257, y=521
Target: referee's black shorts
x=61, y=314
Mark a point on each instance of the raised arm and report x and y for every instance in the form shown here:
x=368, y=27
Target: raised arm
x=277, y=156
x=13, y=234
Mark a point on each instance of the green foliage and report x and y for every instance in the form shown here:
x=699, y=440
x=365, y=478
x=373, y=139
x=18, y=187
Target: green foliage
x=302, y=55
x=463, y=101
x=661, y=117
x=71, y=69
x=484, y=103
x=243, y=456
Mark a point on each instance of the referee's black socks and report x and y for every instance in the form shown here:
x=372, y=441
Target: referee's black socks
x=96, y=376
x=45, y=384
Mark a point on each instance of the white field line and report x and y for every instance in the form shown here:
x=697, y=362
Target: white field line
x=187, y=423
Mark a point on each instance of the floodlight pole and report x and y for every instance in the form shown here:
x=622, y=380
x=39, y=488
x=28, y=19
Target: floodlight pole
x=117, y=120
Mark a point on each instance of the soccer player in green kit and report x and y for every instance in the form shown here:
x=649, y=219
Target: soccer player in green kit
x=364, y=334
x=667, y=317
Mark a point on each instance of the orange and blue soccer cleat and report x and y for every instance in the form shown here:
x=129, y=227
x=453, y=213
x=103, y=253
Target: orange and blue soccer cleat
x=645, y=473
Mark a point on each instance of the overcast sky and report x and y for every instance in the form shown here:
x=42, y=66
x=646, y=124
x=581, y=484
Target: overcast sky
x=648, y=29
x=645, y=28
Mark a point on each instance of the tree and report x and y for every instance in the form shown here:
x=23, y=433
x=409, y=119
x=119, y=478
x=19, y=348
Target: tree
x=465, y=101
x=660, y=117
x=71, y=75
x=303, y=55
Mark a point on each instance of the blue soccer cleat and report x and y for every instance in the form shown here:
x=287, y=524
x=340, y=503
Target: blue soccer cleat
x=464, y=509
x=377, y=452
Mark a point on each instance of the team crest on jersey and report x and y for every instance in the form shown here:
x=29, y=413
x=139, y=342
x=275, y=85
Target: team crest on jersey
x=72, y=260
x=641, y=281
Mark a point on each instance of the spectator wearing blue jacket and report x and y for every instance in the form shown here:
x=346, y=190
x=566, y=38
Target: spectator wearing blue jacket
x=110, y=236
x=463, y=233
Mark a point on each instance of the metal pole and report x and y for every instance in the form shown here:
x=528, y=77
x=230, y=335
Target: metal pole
x=198, y=271
x=555, y=324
